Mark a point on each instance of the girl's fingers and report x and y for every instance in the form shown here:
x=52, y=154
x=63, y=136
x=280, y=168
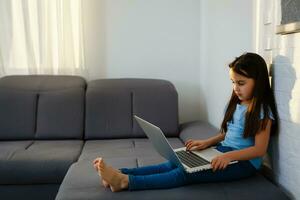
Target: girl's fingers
x=196, y=145
x=96, y=160
x=188, y=141
x=224, y=166
x=188, y=146
x=96, y=166
x=220, y=166
x=191, y=145
x=215, y=164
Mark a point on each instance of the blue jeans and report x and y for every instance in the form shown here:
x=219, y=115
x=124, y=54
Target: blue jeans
x=167, y=175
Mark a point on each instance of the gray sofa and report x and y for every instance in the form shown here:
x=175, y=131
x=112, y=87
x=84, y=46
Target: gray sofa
x=52, y=127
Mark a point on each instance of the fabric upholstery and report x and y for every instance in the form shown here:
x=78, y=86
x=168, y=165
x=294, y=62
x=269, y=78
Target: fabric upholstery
x=9, y=148
x=41, y=107
x=17, y=114
x=197, y=130
x=39, y=163
x=60, y=114
x=111, y=104
x=29, y=192
x=122, y=148
x=41, y=82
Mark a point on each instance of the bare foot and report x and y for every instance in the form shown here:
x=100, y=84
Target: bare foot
x=113, y=177
x=96, y=164
x=105, y=184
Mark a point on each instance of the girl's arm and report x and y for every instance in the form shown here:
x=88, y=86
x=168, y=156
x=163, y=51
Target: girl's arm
x=216, y=139
x=258, y=150
x=203, y=144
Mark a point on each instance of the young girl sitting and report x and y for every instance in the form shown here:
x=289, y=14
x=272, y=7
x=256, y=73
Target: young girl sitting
x=249, y=119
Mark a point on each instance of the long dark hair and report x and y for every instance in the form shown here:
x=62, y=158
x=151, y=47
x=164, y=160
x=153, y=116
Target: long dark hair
x=253, y=66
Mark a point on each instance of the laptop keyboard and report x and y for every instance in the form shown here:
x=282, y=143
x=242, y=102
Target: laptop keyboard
x=190, y=159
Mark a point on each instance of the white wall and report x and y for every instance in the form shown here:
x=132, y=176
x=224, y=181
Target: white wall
x=94, y=16
x=282, y=52
x=227, y=32
x=147, y=39
x=187, y=42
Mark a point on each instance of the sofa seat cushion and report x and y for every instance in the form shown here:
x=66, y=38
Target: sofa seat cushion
x=121, y=148
x=83, y=182
x=9, y=148
x=39, y=162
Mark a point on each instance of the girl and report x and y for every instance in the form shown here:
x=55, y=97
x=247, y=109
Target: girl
x=249, y=119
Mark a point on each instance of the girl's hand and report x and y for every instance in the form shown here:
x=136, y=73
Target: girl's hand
x=196, y=144
x=220, y=162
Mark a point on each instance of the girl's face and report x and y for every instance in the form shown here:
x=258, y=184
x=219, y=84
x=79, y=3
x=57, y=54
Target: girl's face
x=242, y=86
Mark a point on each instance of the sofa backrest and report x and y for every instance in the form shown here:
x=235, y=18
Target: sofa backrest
x=41, y=107
x=111, y=104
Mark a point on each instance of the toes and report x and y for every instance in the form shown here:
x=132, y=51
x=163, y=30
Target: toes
x=113, y=189
x=105, y=184
x=95, y=166
x=99, y=168
x=96, y=160
x=101, y=164
x=101, y=161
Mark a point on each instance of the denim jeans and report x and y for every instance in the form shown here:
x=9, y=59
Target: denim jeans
x=167, y=175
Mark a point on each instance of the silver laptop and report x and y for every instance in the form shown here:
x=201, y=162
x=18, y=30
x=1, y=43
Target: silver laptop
x=191, y=161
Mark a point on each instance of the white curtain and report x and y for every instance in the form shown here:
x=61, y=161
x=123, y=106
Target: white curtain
x=41, y=37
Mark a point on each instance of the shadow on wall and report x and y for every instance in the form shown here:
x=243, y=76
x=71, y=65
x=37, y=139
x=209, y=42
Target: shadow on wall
x=283, y=146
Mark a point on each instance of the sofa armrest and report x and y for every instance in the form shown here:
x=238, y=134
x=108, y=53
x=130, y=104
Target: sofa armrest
x=196, y=130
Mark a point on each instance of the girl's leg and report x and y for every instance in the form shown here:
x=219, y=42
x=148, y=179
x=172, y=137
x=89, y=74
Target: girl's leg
x=118, y=181
x=237, y=171
x=151, y=169
x=174, y=177
x=178, y=177
x=169, y=179
x=240, y=170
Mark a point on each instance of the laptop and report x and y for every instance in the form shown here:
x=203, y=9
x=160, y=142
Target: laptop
x=190, y=161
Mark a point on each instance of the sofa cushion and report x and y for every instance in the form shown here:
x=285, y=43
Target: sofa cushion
x=197, y=130
x=121, y=148
x=83, y=180
x=60, y=114
x=42, y=107
x=39, y=162
x=41, y=82
x=17, y=114
x=111, y=104
x=9, y=148
x=32, y=192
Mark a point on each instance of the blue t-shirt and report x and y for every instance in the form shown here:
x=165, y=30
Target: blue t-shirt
x=235, y=130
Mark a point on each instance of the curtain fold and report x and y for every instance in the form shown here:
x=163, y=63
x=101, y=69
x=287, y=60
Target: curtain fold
x=42, y=37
